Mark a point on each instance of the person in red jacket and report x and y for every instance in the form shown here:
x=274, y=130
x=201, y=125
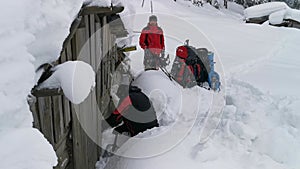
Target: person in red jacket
x=135, y=111
x=152, y=41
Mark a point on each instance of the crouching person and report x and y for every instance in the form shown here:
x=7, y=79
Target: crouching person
x=135, y=111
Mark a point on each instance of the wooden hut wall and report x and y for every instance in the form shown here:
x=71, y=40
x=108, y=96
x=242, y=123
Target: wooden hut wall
x=58, y=119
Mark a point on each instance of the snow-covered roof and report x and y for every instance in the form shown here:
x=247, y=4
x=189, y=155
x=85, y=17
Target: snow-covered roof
x=264, y=9
x=277, y=11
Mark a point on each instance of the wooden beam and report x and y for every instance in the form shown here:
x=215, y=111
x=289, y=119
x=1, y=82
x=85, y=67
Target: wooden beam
x=100, y=10
x=47, y=92
x=75, y=24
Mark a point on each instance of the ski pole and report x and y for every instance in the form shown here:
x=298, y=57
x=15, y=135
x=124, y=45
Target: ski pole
x=143, y=3
x=151, y=7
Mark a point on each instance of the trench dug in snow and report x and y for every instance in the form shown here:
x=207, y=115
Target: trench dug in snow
x=251, y=125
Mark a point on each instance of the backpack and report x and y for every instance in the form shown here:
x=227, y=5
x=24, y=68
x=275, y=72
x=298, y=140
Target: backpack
x=196, y=60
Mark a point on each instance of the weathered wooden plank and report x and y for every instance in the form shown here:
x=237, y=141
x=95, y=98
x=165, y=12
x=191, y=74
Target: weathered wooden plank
x=92, y=153
x=92, y=42
x=70, y=141
x=94, y=60
x=104, y=76
x=98, y=60
x=98, y=80
x=94, y=65
x=104, y=52
x=44, y=104
x=67, y=112
x=36, y=115
x=69, y=52
x=63, y=155
x=105, y=36
x=72, y=51
x=74, y=26
x=91, y=129
x=63, y=57
x=79, y=139
x=57, y=111
x=67, y=56
x=77, y=151
x=89, y=118
x=77, y=143
x=46, y=92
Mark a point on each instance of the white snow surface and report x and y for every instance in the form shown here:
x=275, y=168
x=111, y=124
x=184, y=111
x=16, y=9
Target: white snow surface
x=75, y=78
x=277, y=11
x=259, y=127
x=260, y=123
x=32, y=33
x=166, y=98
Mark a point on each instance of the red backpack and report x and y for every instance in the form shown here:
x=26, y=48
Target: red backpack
x=188, y=69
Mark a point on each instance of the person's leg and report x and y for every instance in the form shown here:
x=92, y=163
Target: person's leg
x=157, y=61
x=149, y=60
x=146, y=59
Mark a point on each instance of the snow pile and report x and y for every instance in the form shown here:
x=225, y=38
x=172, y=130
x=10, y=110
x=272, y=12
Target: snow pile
x=25, y=148
x=256, y=131
x=76, y=78
x=232, y=6
x=164, y=94
x=101, y=3
x=104, y=3
x=277, y=11
x=260, y=123
x=49, y=27
x=32, y=33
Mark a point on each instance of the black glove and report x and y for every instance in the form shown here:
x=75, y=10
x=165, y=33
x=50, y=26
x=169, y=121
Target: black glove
x=121, y=129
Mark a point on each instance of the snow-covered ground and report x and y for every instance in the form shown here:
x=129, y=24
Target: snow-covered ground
x=259, y=127
x=259, y=65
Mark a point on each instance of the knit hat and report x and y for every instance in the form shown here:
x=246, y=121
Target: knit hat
x=139, y=100
x=152, y=18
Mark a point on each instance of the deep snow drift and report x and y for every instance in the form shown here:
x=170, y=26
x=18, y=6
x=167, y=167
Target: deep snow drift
x=32, y=33
x=259, y=127
x=260, y=123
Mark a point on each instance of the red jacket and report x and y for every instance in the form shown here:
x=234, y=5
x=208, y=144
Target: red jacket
x=152, y=38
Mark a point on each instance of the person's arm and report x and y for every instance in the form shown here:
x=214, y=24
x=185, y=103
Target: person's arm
x=162, y=41
x=142, y=39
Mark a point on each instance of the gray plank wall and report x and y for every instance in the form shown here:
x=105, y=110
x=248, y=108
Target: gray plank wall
x=58, y=119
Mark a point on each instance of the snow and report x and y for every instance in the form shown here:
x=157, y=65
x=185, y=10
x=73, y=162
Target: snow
x=100, y=3
x=166, y=97
x=264, y=9
x=277, y=17
x=104, y=3
x=277, y=11
x=259, y=127
x=32, y=33
x=76, y=78
x=24, y=147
